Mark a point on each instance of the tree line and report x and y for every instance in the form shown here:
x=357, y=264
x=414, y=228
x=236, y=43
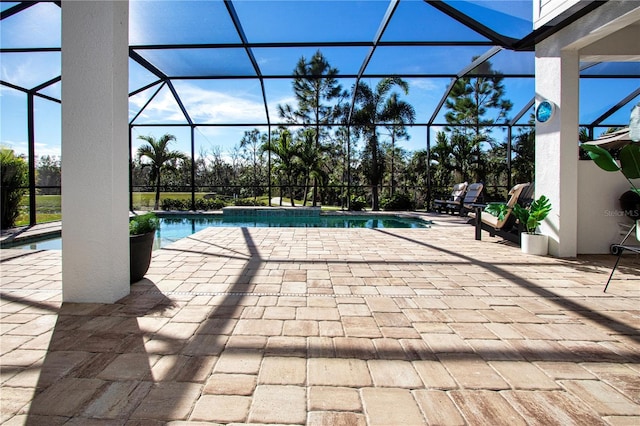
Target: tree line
x=328, y=142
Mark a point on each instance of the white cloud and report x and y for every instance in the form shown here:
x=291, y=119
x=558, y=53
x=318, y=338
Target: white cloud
x=426, y=84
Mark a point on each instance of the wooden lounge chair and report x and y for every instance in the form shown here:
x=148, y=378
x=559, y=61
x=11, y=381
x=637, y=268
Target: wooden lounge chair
x=472, y=196
x=457, y=194
x=506, y=227
x=620, y=248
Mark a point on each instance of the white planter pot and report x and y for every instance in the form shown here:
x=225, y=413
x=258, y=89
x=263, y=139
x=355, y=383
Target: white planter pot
x=534, y=244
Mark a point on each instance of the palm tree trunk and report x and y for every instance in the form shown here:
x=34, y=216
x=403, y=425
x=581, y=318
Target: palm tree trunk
x=157, y=192
x=306, y=191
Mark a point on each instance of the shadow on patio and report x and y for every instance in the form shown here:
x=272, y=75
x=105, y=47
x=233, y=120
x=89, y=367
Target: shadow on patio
x=296, y=326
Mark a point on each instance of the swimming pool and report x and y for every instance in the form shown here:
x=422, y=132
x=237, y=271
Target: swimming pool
x=175, y=227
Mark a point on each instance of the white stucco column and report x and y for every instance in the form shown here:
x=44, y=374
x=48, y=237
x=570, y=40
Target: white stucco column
x=557, y=80
x=95, y=248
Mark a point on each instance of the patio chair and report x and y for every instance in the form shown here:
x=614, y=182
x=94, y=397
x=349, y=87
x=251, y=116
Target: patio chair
x=507, y=227
x=457, y=195
x=472, y=196
x=620, y=248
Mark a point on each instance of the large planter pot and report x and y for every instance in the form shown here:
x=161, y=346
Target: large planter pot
x=140, y=248
x=534, y=244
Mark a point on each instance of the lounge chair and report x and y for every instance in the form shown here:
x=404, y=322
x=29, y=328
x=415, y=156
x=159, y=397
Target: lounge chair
x=506, y=227
x=457, y=194
x=620, y=248
x=472, y=196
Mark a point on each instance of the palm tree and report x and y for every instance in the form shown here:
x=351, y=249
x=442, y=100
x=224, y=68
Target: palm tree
x=399, y=113
x=251, y=141
x=157, y=151
x=285, y=150
x=373, y=109
x=318, y=95
x=311, y=159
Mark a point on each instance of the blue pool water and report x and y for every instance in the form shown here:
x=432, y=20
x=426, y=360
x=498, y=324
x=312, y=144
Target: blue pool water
x=173, y=228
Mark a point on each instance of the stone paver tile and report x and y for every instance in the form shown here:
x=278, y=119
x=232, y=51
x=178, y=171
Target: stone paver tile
x=320, y=347
x=394, y=373
x=337, y=372
x=280, y=312
x=446, y=343
x=239, y=361
x=391, y=319
x=168, y=401
x=259, y=327
x=333, y=398
x=230, y=384
x=129, y=366
x=330, y=418
x=22, y=357
x=330, y=328
x=623, y=420
x=472, y=372
x=416, y=349
x=13, y=401
x=551, y=408
x=494, y=350
x=353, y=310
x=278, y=404
x=524, y=375
x=317, y=313
x=391, y=407
x=434, y=375
x=601, y=397
x=382, y=304
x=283, y=371
x=246, y=342
x=486, y=407
x=354, y=347
x=182, y=368
x=205, y=344
x=360, y=327
x=117, y=400
x=300, y=328
x=178, y=330
x=471, y=330
x=295, y=346
x=221, y=408
x=564, y=370
x=621, y=377
x=389, y=349
x=503, y=331
x=66, y=397
x=438, y=408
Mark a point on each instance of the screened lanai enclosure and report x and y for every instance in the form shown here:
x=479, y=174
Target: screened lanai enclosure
x=339, y=103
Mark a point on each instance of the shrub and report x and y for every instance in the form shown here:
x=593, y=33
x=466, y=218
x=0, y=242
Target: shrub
x=209, y=204
x=357, y=203
x=175, y=204
x=143, y=223
x=399, y=201
x=247, y=202
x=15, y=174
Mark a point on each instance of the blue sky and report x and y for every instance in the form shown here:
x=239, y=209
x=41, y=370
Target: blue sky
x=240, y=100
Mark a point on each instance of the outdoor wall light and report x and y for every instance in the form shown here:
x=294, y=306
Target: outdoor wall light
x=544, y=111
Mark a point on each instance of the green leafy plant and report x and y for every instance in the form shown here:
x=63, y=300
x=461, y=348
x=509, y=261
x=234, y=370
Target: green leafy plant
x=15, y=174
x=629, y=161
x=143, y=223
x=499, y=210
x=398, y=201
x=532, y=216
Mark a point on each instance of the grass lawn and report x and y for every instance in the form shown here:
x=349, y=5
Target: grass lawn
x=48, y=207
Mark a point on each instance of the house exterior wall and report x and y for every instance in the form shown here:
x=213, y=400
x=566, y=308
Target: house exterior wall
x=558, y=174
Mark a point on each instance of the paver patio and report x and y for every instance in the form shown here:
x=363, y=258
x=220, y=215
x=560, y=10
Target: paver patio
x=328, y=327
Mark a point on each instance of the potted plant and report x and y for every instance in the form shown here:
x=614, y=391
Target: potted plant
x=142, y=230
x=532, y=242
